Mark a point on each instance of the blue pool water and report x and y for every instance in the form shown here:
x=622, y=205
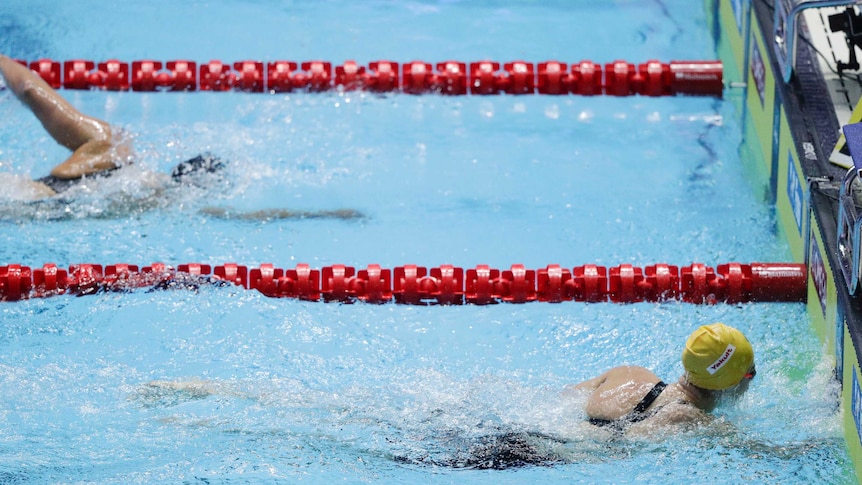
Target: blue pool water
x=361, y=393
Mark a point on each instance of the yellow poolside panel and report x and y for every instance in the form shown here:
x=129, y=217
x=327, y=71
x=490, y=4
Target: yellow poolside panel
x=822, y=294
x=733, y=17
x=790, y=197
x=761, y=97
x=730, y=47
x=852, y=402
x=757, y=168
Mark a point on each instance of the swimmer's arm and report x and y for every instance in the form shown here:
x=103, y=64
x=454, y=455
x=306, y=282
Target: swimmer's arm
x=92, y=157
x=274, y=214
x=89, y=138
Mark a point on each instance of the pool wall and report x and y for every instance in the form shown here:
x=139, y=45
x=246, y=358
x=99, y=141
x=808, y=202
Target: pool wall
x=787, y=150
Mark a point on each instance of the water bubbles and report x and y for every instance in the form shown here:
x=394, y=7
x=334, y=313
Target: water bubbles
x=486, y=110
x=422, y=149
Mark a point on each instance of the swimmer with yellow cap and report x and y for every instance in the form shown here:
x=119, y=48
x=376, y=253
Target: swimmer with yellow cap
x=718, y=360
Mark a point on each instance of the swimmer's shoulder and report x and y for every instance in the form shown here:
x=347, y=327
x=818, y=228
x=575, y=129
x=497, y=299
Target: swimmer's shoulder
x=614, y=377
x=628, y=375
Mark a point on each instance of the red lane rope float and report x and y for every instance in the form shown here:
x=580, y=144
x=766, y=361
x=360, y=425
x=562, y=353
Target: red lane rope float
x=444, y=285
x=586, y=78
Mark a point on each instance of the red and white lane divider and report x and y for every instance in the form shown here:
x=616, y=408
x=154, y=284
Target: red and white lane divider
x=585, y=78
x=418, y=285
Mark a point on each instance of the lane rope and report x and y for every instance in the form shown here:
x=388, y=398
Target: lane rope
x=419, y=285
x=585, y=78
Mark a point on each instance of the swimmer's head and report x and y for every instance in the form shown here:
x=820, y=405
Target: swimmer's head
x=717, y=357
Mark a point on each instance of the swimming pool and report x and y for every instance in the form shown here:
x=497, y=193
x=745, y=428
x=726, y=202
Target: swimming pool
x=298, y=390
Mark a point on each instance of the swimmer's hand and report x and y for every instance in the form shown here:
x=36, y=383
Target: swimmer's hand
x=275, y=214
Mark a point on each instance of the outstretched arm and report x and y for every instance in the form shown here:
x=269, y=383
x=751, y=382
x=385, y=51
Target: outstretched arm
x=88, y=138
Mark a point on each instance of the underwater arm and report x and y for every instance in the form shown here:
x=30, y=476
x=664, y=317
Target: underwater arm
x=275, y=214
x=190, y=389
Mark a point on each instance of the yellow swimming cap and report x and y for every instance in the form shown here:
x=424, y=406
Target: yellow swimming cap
x=716, y=357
